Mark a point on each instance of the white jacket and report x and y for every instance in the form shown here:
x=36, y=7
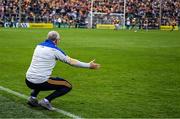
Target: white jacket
x=44, y=60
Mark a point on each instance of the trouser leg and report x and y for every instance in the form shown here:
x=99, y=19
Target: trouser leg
x=35, y=92
x=60, y=86
x=59, y=92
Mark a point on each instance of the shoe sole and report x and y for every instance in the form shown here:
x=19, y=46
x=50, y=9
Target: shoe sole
x=33, y=105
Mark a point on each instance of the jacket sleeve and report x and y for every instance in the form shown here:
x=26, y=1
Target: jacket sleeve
x=73, y=62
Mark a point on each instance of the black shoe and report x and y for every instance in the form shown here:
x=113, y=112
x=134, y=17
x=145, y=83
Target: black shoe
x=33, y=102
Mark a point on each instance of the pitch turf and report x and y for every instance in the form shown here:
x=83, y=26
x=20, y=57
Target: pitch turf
x=139, y=77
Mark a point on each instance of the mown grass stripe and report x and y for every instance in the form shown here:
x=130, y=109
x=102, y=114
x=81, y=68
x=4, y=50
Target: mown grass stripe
x=26, y=97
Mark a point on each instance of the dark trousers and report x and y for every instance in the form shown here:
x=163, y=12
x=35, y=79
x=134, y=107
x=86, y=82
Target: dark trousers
x=60, y=86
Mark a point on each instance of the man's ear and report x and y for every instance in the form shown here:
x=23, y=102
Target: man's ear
x=56, y=42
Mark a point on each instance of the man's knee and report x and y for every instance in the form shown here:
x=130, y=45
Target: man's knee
x=69, y=87
x=64, y=89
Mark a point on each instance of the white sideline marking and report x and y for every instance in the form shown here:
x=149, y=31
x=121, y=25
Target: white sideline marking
x=26, y=97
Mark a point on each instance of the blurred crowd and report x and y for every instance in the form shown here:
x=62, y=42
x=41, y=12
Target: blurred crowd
x=77, y=12
x=149, y=11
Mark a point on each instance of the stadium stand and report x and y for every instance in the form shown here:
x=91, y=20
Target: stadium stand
x=74, y=13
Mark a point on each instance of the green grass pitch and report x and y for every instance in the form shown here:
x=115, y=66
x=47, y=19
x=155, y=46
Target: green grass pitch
x=139, y=77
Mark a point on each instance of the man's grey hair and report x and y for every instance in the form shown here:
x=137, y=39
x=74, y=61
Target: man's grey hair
x=53, y=35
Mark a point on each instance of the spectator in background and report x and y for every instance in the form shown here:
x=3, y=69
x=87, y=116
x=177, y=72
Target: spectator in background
x=173, y=24
x=134, y=23
x=117, y=23
x=1, y=23
x=1, y=10
x=128, y=23
x=59, y=22
x=146, y=23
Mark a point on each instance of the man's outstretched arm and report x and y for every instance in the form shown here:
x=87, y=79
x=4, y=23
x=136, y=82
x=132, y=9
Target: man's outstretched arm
x=74, y=62
x=77, y=63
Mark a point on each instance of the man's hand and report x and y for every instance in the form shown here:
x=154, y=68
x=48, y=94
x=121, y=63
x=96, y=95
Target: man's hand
x=94, y=65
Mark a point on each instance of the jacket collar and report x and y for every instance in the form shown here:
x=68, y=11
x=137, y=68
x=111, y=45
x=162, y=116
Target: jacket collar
x=50, y=41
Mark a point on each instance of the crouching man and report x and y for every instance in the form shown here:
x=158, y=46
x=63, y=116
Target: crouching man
x=38, y=76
